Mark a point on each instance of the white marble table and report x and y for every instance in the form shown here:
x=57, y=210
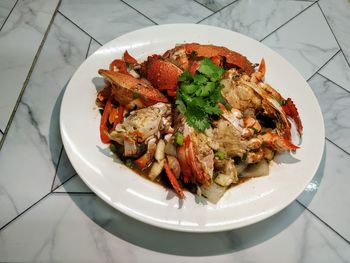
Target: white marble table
x=48, y=215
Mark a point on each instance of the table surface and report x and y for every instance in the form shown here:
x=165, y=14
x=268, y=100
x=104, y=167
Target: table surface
x=49, y=215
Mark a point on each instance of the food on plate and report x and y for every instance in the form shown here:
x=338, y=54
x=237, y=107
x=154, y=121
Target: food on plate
x=198, y=117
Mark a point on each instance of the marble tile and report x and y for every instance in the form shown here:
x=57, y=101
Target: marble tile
x=337, y=13
x=256, y=22
x=103, y=21
x=169, y=11
x=30, y=152
x=335, y=106
x=306, y=41
x=65, y=170
x=106, y=235
x=327, y=194
x=23, y=32
x=74, y=185
x=215, y=5
x=93, y=47
x=338, y=71
x=5, y=9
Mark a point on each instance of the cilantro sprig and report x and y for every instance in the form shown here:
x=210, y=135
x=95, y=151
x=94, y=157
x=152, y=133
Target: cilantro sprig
x=198, y=96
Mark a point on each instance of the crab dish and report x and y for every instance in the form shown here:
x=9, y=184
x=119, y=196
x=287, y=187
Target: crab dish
x=197, y=118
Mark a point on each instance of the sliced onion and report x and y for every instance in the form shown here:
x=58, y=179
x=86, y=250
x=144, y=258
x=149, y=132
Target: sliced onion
x=255, y=170
x=240, y=167
x=213, y=193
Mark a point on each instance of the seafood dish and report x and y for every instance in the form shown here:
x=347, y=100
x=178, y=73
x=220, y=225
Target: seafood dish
x=197, y=118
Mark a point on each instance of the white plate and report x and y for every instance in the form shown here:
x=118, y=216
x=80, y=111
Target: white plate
x=137, y=197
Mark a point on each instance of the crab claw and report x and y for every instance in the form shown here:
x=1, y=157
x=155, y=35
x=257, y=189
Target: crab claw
x=259, y=75
x=129, y=59
x=291, y=110
x=278, y=143
x=130, y=91
x=160, y=73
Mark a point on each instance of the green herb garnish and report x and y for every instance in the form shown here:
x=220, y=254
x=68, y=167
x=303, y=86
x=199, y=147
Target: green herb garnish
x=113, y=148
x=128, y=163
x=199, y=95
x=220, y=155
x=255, y=130
x=179, y=138
x=244, y=157
x=135, y=94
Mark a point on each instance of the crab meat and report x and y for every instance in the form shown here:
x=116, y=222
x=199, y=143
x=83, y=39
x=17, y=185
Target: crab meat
x=253, y=98
x=141, y=126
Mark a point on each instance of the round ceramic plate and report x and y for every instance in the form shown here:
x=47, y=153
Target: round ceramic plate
x=137, y=197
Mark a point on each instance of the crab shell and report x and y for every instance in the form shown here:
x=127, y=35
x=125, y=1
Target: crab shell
x=162, y=74
x=195, y=157
x=130, y=91
x=231, y=58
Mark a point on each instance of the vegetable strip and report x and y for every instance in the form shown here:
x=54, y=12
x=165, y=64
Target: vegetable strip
x=173, y=180
x=103, y=123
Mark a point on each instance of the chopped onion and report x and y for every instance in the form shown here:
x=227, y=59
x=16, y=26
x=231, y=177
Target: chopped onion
x=134, y=74
x=156, y=169
x=224, y=179
x=160, y=155
x=170, y=149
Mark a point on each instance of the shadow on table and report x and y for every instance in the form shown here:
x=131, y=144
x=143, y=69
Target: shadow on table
x=189, y=244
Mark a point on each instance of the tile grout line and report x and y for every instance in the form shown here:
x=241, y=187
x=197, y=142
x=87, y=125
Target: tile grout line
x=26, y=81
x=56, y=168
x=302, y=11
x=333, y=82
x=52, y=191
x=203, y=5
x=59, y=12
x=325, y=223
x=324, y=64
x=216, y=11
x=88, y=49
x=345, y=151
x=330, y=28
x=8, y=15
x=138, y=11
x=24, y=211
x=74, y=193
